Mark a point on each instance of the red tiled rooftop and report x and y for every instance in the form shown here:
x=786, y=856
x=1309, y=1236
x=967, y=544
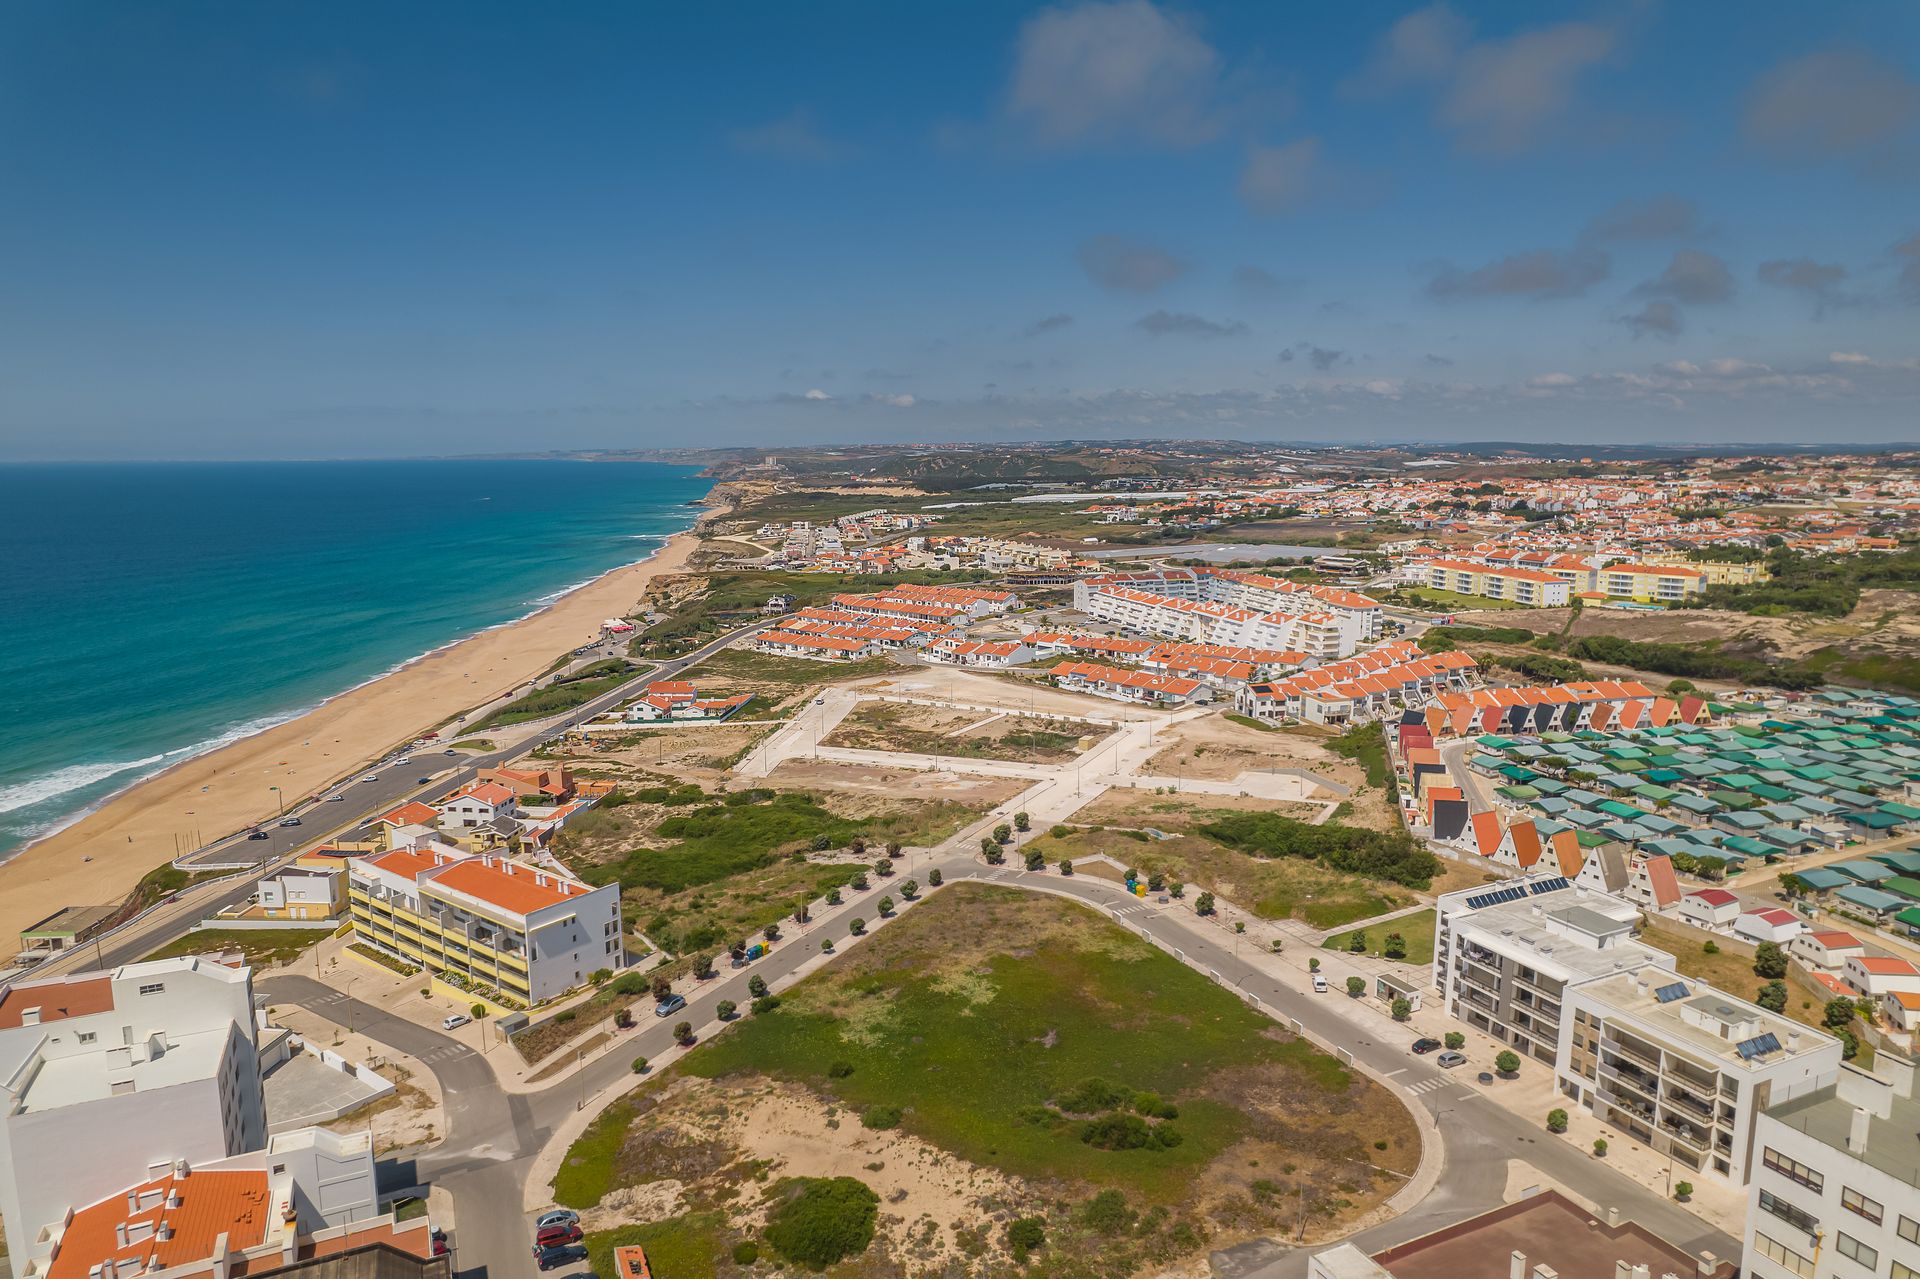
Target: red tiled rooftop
x=56, y=1000
x=211, y=1204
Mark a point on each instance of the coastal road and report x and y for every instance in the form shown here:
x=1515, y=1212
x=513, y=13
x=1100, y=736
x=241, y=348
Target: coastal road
x=394, y=784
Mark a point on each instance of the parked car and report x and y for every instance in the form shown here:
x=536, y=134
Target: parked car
x=1448, y=1060
x=1425, y=1046
x=455, y=1022
x=1319, y=984
x=669, y=1006
x=554, y=1258
x=558, y=1217
x=558, y=1236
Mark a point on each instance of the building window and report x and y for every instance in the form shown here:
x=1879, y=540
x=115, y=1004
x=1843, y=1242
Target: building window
x=1781, y=1255
x=1793, y=1170
x=88, y=1036
x=1853, y=1248
x=1909, y=1230
x=1903, y=1271
x=1853, y=1201
x=1787, y=1212
x=154, y=988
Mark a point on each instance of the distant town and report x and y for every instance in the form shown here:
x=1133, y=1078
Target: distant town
x=1090, y=859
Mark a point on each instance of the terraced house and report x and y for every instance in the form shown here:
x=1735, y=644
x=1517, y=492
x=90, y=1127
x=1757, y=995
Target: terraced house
x=487, y=921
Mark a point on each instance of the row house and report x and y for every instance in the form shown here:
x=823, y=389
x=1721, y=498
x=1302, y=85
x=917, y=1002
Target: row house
x=1138, y=687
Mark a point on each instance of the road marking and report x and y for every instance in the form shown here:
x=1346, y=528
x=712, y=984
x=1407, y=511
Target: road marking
x=1428, y=1085
x=1391, y=1073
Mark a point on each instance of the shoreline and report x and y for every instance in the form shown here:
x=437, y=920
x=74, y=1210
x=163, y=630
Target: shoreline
x=226, y=788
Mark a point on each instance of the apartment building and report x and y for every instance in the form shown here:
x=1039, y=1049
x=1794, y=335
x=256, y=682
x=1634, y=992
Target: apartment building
x=1684, y=1068
x=1650, y=583
x=1365, y=687
x=1505, y=956
x=1218, y=606
x=1138, y=687
x=1716, y=572
x=523, y=931
x=1836, y=1187
x=1524, y=586
x=151, y=1061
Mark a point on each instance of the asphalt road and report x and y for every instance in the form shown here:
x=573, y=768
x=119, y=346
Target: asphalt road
x=493, y=1136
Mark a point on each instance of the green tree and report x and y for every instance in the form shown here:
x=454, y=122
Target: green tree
x=725, y=1009
x=1022, y=822
x=858, y=927
x=1395, y=946
x=1455, y=1040
x=1769, y=960
x=662, y=987
x=1356, y=986
x=1002, y=833
x=756, y=985
x=478, y=1011
x=683, y=1032
x=1026, y=1236
x=639, y=1065
x=909, y=889
x=934, y=878
x=1792, y=885
x=1600, y=1146
x=1066, y=866
x=1313, y=964
x=1402, y=1010
x=1508, y=1062
x=1036, y=859
x=1203, y=904
x=883, y=867
x=1772, y=997
x=987, y=847
x=1682, y=1189
x=1556, y=1120
x=1839, y=1013
x=885, y=907
x=1357, y=943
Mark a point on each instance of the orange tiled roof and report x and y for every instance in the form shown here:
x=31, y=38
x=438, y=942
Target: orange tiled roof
x=56, y=1000
x=211, y=1204
x=521, y=889
x=413, y=813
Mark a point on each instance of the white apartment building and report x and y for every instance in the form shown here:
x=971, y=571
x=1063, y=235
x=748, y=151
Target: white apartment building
x=1687, y=1069
x=1836, y=1181
x=103, y=1075
x=527, y=932
x=1219, y=606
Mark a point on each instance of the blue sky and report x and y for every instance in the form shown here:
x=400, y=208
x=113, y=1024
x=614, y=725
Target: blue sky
x=293, y=230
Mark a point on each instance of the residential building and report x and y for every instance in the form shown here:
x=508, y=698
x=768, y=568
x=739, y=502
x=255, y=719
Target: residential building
x=1650, y=583
x=1120, y=685
x=1836, y=1188
x=680, y=701
x=150, y=1061
x=1768, y=924
x=300, y=893
x=1710, y=908
x=480, y=804
x=1825, y=950
x=1524, y=586
x=1543, y=1235
x=524, y=932
x=987, y=654
x=1685, y=1069
x=1877, y=975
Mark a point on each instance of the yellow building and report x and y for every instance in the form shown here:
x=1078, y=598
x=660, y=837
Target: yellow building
x=1524, y=586
x=1650, y=583
x=1720, y=572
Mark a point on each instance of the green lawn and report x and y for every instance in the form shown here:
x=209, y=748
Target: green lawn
x=587, y=1173
x=970, y=1047
x=1417, y=930
x=591, y=682
x=262, y=946
x=765, y=668
x=1454, y=601
x=693, y=1246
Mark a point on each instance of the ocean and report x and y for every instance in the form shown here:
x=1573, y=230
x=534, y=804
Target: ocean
x=153, y=611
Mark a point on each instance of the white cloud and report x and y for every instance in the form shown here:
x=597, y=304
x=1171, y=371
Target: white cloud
x=893, y=401
x=1280, y=178
x=1121, y=71
x=1553, y=379
x=1849, y=357
x=815, y=393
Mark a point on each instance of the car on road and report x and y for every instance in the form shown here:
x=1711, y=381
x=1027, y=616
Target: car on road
x=422, y=781
x=1319, y=984
x=336, y=799
x=258, y=834
x=554, y=1258
x=1449, y=1059
x=558, y=1236
x=1425, y=1046
x=558, y=1217
x=449, y=751
x=819, y=701
x=289, y=821
x=369, y=777
x=669, y=1006
x=455, y=1022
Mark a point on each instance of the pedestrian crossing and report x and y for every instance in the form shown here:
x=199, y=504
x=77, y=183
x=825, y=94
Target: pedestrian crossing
x=448, y=1053
x=1426, y=1086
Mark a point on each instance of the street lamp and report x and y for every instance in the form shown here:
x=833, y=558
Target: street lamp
x=281, y=798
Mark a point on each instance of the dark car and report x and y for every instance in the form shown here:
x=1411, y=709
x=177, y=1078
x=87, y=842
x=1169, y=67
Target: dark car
x=554, y=1258
x=258, y=834
x=421, y=781
x=557, y=1236
x=1425, y=1046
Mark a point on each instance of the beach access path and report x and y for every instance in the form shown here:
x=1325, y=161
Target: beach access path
x=100, y=858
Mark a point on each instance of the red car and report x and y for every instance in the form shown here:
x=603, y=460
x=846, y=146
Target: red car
x=557, y=1236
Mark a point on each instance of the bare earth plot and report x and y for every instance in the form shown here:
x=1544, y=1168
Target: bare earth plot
x=939, y=730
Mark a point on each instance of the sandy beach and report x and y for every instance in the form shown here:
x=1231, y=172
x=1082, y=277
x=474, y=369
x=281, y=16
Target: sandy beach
x=225, y=790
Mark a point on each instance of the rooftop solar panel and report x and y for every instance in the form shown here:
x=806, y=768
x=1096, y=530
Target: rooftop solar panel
x=1667, y=994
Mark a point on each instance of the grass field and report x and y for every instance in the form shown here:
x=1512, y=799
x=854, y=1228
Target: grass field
x=765, y=668
x=1454, y=601
x=690, y=1246
x=909, y=1019
x=261, y=946
x=1415, y=930
x=578, y=690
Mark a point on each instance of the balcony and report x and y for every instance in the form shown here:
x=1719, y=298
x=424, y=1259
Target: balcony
x=1646, y=1085
x=1687, y=1101
x=1625, y=1048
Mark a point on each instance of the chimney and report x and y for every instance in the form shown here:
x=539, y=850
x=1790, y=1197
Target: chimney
x=1706, y=1264
x=133, y=1202
x=1517, y=1265
x=120, y=1234
x=181, y=1168
x=1642, y=1272
x=173, y=1198
x=1545, y=1271
x=30, y=1016
x=1621, y=1270
x=1857, y=1130
x=1613, y=1218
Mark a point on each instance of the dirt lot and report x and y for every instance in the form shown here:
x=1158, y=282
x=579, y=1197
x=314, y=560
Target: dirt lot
x=860, y=780
x=1136, y=810
x=1003, y=692
x=936, y=730
x=648, y=755
x=1216, y=748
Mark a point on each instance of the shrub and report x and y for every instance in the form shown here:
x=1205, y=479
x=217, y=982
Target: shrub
x=1772, y=997
x=1395, y=947
x=934, y=878
x=725, y=1009
x=478, y=1011
x=880, y=1117
x=821, y=843
x=771, y=932
x=639, y=1065
x=1177, y=891
x=1036, y=861
x=885, y=906
x=859, y=881
x=1025, y=1236
x=661, y=987
x=1090, y=1096
x=883, y=868
x=988, y=848
x=566, y=1015
x=823, y=1221
x=746, y=1252
x=1682, y=1189
x=1002, y=833
x=623, y=1018
x=1600, y=1145
x=600, y=976
x=1066, y=866
x=1022, y=822
x=1839, y=1013
x=1356, y=986
x=858, y=927
x=1357, y=944
x=1203, y=904
x=1313, y=964
x=1390, y=855
x=833, y=897
x=1402, y=1010
x=1107, y=1213
x=1769, y=960
x=1507, y=1062
x=893, y=848
x=1710, y=948
x=909, y=889
x=764, y=1004
x=1556, y=1120
x=756, y=985
x=683, y=1032
x=1455, y=1040
x=840, y=1070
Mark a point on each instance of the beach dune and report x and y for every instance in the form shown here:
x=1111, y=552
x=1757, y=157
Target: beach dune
x=228, y=789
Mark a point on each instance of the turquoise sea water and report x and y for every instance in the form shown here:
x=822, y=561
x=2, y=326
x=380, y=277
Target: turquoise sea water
x=149, y=612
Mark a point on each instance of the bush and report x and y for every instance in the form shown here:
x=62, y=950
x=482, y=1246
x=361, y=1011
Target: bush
x=746, y=1252
x=1769, y=960
x=1682, y=1189
x=1356, y=986
x=565, y=1015
x=859, y=881
x=1839, y=1013
x=910, y=889
x=756, y=985
x=600, y=976
x=885, y=906
x=988, y=848
x=1772, y=997
x=1107, y=1213
x=1036, y=861
x=1002, y=833
x=823, y=1221
x=1508, y=1062
x=1066, y=866
x=1090, y=1096
x=880, y=1117
x=1022, y=822
x=858, y=927
x=623, y=1018
x=1710, y=948
x=883, y=868
x=725, y=1009
x=1390, y=855
x=833, y=897
x=1026, y=1236
x=1395, y=947
x=1556, y=1120
x=935, y=878
x=683, y=1032
x=840, y=1070
x=639, y=1065
x=1203, y=904
x=1402, y=1010
x=1600, y=1146
x=478, y=1011
x=764, y=1004
x=1357, y=944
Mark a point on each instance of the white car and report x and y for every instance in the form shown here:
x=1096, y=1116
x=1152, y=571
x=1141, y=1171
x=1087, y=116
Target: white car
x=370, y=777
x=455, y=1022
x=558, y=1217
